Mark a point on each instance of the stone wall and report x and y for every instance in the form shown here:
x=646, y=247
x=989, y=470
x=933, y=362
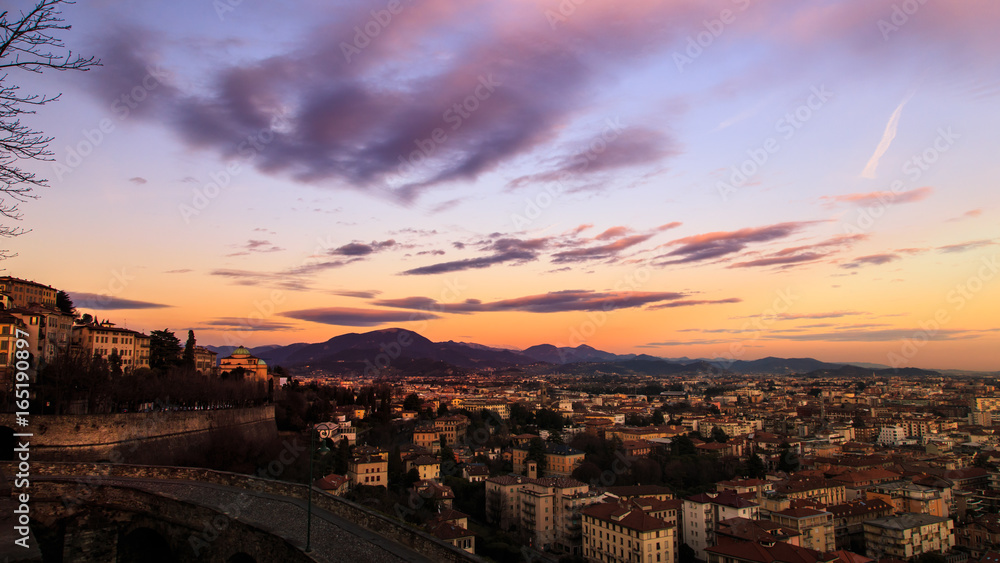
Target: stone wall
x=154, y=437
x=92, y=531
x=404, y=534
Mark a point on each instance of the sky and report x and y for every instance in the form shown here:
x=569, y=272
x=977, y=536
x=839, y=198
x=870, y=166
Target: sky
x=729, y=178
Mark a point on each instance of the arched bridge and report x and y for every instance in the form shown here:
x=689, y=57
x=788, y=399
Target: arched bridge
x=128, y=513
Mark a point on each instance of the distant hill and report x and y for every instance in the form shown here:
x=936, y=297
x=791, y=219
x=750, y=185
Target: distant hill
x=860, y=372
x=404, y=349
x=411, y=352
x=565, y=355
x=774, y=365
x=634, y=367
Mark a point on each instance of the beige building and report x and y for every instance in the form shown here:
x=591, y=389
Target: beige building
x=427, y=437
x=368, y=470
x=451, y=427
x=560, y=460
x=9, y=325
x=908, y=535
x=546, y=511
x=910, y=497
x=50, y=331
x=428, y=468
x=498, y=407
x=205, y=362
x=21, y=293
x=814, y=526
x=105, y=339
x=614, y=532
x=242, y=358
x=981, y=403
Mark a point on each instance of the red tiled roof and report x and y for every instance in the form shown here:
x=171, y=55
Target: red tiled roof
x=449, y=531
x=331, y=482
x=623, y=516
x=725, y=498
x=780, y=552
x=800, y=512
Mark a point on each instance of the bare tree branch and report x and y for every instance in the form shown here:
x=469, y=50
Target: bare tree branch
x=28, y=43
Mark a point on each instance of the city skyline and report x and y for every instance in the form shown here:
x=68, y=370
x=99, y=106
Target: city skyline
x=695, y=179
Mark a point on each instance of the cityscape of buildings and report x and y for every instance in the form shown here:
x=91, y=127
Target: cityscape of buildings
x=817, y=469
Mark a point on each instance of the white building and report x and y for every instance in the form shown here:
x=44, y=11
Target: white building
x=702, y=513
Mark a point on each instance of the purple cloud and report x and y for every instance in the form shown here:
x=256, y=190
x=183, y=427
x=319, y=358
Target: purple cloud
x=720, y=244
x=83, y=300
x=871, y=260
x=347, y=316
x=553, y=302
x=965, y=246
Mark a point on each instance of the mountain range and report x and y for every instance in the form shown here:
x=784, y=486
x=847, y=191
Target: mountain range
x=409, y=352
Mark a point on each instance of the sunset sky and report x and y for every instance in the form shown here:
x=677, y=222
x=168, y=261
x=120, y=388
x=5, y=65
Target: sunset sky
x=732, y=179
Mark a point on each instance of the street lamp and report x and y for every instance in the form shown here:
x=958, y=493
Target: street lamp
x=325, y=430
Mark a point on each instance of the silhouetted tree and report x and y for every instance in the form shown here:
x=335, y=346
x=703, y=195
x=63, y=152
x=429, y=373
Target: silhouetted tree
x=658, y=417
x=412, y=402
x=115, y=363
x=536, y=451
x=719, y=435
x=682, y=445
x=755, y=467
x=64, y=303
x=164, y=349
x=788, y=460
x=188, y=360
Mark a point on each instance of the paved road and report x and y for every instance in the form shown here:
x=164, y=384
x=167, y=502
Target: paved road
x=334, y=539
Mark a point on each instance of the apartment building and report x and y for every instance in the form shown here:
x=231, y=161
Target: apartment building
x=49, y=331
x=205, y=361
x=560, y=460
x=908, y=497
x=368, y=470
x=428, y=468
x=451, y=427
x=823, y=491
x=985, y=404
x=815, y=527
x=892, y=436
x=849, y=519
x=702, y=513
x=499, y=407
x=546, y=511
x=427, y=437
x=615, y=532
x=21, y=293
x=105, y=339
x=908, y=535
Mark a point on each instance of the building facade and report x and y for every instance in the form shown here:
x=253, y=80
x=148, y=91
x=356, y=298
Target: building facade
x=21, y=293
x=908, y=535
x=241, y=357
x=105, y=339
x=702, y=512
x=614, y=532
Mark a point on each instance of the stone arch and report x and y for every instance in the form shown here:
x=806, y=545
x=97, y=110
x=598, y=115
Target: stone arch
x=144, y=545
x=7, y=443
x=240, y=557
